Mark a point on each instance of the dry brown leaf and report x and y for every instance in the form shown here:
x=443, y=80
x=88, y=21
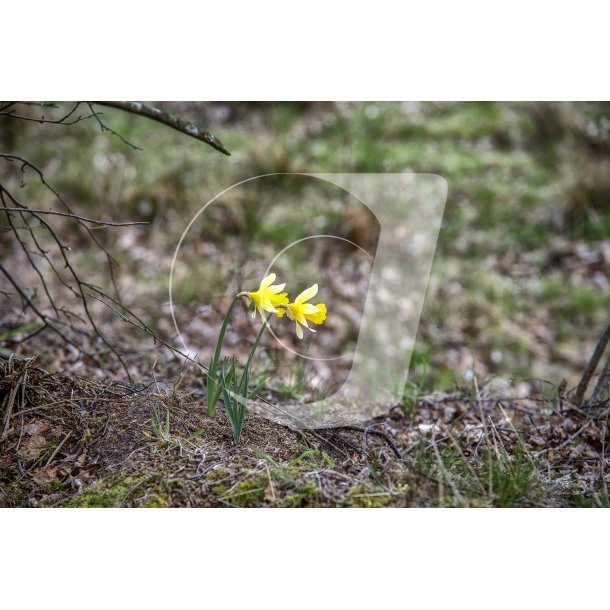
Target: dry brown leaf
x=32, y=448
x=43, y=476
x=39, y=426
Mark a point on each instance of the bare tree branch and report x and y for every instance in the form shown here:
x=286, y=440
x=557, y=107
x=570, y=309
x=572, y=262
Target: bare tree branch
x=10, y=158
x=105, y=127
x=47, y=247
x=42, y=316
x=75, y=216
x=603, y=384
x=591, y=366
x=156, y=114
x=6, y=109
x=79, y=291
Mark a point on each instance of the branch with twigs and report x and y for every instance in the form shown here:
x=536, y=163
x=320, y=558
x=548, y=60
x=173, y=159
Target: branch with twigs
x=156, y=114
x=35, y=230
x=104, y=223
x=9, y=109
x=73, y=274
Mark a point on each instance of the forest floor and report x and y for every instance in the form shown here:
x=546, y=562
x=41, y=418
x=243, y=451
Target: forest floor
x=519, y=292
x=90, y=442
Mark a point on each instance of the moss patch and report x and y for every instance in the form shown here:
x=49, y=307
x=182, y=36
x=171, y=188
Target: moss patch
x=368, y=496
x=305, y=496
x=249, y=492
x=106, y=494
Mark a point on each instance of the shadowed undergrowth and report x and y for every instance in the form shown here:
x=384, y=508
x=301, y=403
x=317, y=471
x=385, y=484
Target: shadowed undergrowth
x=91, y=443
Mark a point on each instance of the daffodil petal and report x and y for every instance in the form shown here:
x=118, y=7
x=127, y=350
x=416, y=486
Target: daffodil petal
x=277, y=299
x=267, y=282
x=319, y=316
x=299, y=332
x=300, y=318
x=307, y=294
x=267, y=306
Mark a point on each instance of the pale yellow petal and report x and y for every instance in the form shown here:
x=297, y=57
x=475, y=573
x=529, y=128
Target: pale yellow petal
x=299, y=332
x=267, y=306
x=307, y=308
x=298, y=314
x=307, y=294
x=267, y=282
x=319, y=315
x=276, y=288
x=277, y=299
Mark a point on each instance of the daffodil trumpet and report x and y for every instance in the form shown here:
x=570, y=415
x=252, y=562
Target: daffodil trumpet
x=300, y=311
x=267, y=297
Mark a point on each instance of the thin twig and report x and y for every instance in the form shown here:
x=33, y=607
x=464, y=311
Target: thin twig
x=105, y=127
x=24, y=164
x=6, y=110
x=44, y=318
x=71, y=215
x=156, y=114
x=369, y=430
x=565, y=443
x=58, y=448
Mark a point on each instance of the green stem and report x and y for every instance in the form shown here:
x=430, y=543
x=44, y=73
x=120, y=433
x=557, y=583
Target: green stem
x=258, y=338
x=223, y=330
x=212, y=390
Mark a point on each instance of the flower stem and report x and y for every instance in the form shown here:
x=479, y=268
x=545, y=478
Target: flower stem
x=223, y=330
x=258, y=338
x=212, y=393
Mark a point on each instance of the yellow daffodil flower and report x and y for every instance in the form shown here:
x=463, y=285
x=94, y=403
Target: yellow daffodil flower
x=267, y=297
x=300, y=311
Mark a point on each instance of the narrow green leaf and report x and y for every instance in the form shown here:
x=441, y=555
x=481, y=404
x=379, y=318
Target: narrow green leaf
x=197, y=433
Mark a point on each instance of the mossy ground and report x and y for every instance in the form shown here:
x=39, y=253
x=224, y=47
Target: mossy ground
x=446, y=450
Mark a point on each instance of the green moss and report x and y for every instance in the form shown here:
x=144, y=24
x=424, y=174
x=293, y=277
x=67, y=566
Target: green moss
x=368, y=496
x=301, y=497
x=15, y=494
x=98, y=497
x=105, y=494
x=249, y=492
x=221, y=475
x=156, y=501
x=55, y=486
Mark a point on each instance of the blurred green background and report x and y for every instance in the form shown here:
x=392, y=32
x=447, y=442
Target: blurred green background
x=520, y=281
